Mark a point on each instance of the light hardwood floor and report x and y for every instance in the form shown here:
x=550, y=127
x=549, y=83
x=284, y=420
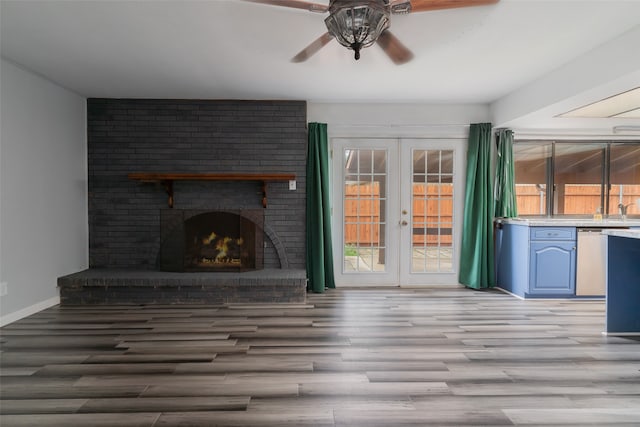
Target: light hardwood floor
x=349, y=357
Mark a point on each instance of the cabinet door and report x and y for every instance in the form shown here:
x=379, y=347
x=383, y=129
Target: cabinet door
x=552, y=268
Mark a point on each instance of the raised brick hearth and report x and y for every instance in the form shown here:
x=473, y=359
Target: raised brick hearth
x=108, y=286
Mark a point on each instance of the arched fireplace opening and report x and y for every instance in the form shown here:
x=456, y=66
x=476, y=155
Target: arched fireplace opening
x=223, y=241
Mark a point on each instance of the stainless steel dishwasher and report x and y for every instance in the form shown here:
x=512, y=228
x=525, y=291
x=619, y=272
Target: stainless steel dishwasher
x=591, y=262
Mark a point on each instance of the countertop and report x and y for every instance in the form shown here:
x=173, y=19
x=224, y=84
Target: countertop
x=572, y=222
x=631, y=234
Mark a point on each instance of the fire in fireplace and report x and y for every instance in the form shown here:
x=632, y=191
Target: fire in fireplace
x=212, y=241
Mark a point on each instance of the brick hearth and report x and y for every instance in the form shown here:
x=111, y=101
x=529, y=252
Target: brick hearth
x=111, y=286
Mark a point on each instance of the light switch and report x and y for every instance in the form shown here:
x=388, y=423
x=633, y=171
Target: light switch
x=292, y=184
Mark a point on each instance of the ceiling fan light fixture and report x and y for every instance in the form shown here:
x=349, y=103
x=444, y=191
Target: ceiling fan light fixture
x=357, y=24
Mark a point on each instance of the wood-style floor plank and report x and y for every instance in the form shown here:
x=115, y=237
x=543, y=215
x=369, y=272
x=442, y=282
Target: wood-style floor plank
x=41, y=406
x=244, y=366
x=106, y=369
x=560, y=416
x=165, y=404
x=348, y=357
x=66, y=391
x=266, y=390
x=81, y=420
x=293, y=418
x=435, y=416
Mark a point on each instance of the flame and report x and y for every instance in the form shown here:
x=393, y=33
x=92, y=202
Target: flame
x=227, y=249
x=223, y=247
x=210, y=238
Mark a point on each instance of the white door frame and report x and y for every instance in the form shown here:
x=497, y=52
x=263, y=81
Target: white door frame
x=398, y=238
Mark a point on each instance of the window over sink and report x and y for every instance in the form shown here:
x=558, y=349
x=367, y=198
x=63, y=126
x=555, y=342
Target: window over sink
x=577, y=178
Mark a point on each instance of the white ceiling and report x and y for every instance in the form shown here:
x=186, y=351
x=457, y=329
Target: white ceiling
x=222, y=49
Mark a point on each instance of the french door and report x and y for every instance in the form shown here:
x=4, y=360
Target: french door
x=397, y=210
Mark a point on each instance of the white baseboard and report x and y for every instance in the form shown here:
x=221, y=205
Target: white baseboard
x=28, y=311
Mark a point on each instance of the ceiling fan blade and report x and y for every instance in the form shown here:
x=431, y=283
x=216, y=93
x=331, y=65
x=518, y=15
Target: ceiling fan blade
x=400, y=6
x=297, y=4
x=313, y=48
x=393, y=47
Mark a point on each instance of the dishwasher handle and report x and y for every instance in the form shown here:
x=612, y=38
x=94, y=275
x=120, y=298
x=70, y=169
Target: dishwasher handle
x=589, y=230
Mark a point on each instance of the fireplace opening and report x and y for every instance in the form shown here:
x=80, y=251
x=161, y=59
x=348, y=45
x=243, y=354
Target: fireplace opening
x=212, y=241
x=219, y=241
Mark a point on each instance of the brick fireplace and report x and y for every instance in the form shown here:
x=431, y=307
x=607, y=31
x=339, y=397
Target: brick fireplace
x=128, y=136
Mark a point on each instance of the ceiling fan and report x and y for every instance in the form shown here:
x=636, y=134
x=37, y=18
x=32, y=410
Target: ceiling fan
x=357, y=24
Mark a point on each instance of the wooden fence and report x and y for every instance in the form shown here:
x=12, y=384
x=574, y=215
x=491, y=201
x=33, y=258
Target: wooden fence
x=362, y=214
x=432, y=214
x=576, y=199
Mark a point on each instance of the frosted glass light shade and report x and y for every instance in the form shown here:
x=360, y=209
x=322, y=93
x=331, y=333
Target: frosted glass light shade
x=357, y=26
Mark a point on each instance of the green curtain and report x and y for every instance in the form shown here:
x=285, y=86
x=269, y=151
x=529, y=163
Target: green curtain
x=476, y=257
x=319, y=251
x=505, y=190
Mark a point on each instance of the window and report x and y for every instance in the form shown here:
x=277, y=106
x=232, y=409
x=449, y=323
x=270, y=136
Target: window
x=624, y=178
x=532, y=165
x=577, y=178
x=583, y=177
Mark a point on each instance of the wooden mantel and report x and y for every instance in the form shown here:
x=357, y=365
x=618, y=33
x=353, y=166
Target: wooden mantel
x=166, y=179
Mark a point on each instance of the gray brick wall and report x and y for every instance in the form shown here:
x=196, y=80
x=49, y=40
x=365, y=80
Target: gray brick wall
x=132, y=135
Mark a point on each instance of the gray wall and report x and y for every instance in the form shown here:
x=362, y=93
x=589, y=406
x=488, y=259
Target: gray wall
x=127, y=135
x=43, y=190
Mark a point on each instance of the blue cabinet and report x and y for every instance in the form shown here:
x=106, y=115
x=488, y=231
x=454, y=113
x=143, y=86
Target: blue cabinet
x=536, y=262
x=552, y=261
x=552, y=268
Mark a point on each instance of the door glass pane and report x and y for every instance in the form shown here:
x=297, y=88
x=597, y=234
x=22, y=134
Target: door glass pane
x=625, y=179
x=365, y=188
x=531, y=163
x=578, y=178
x=432, y=211
x=447, y=163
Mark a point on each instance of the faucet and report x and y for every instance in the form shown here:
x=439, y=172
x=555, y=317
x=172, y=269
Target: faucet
x=623, y=209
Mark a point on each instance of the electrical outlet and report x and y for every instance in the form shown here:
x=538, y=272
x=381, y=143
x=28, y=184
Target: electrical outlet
x=292, y=184
x=4, y=289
